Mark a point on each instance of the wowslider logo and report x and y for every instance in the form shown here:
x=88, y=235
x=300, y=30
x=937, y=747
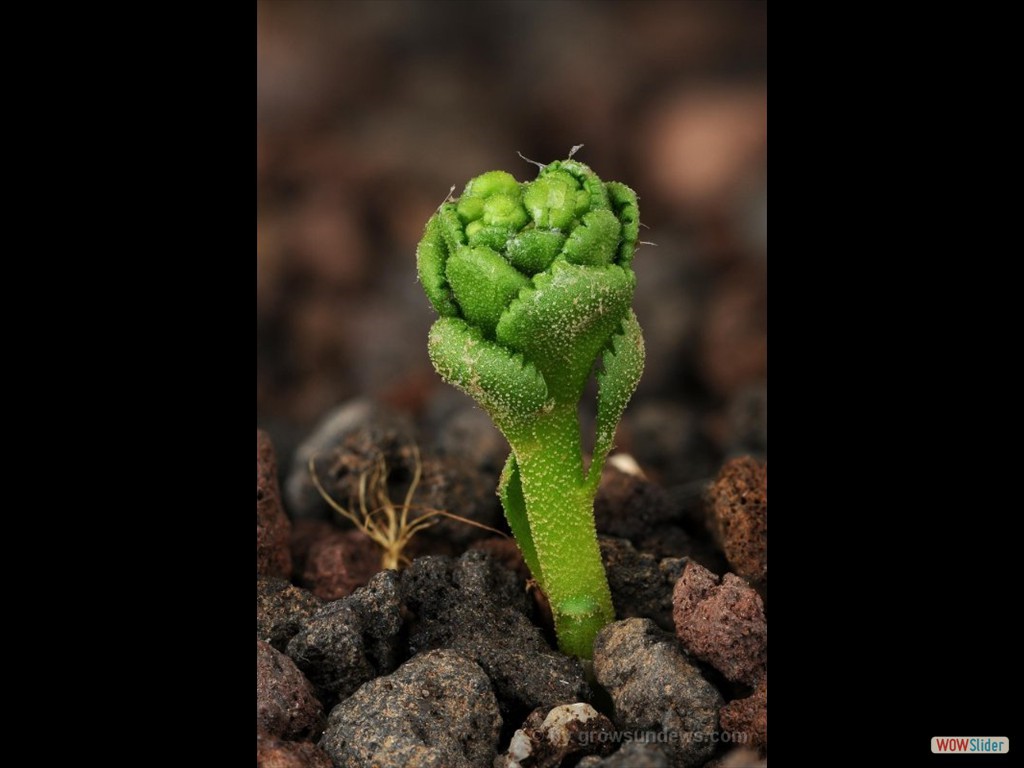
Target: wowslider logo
x=970, y=745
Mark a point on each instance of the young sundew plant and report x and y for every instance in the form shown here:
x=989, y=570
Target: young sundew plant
x=534, y=285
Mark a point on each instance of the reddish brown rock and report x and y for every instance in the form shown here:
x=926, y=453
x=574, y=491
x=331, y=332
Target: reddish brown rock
x=739, y=517
x=286, y=705
x=749, y=717
x=275, y=753
x=273, y=557
x=339, y=562
x=721, y=623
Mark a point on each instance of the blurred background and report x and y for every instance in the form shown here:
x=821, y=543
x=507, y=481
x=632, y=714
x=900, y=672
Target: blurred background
x=368, y=112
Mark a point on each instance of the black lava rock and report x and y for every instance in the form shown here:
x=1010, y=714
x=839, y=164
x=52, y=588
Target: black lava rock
x=641, y=584
x=436, y=711
x=656, y=691
x=280, y=610
x=629, y=506
x=478, y=607
x=351, y=640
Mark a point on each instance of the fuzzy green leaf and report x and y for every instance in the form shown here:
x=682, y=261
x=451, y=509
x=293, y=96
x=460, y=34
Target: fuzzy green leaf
x=450, y=227
x=431, y=255
x=469, y=208
x=564, y=321
x=508, y=388
x=595, y=241
x=586, y=178
x=533, y=250
x=551, y=201
x=505, y=211
x=510, y=491
x=624, y=203
x=492, y=183
x=494, y=238
x=484, y=284
x=616, y=383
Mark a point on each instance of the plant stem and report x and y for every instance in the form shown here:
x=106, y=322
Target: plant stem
x=560, y=510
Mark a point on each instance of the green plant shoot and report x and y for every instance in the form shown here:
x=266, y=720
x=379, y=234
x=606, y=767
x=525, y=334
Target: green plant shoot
x=534, y=285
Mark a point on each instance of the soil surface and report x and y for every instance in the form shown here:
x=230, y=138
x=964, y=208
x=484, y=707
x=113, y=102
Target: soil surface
x=452, y=661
